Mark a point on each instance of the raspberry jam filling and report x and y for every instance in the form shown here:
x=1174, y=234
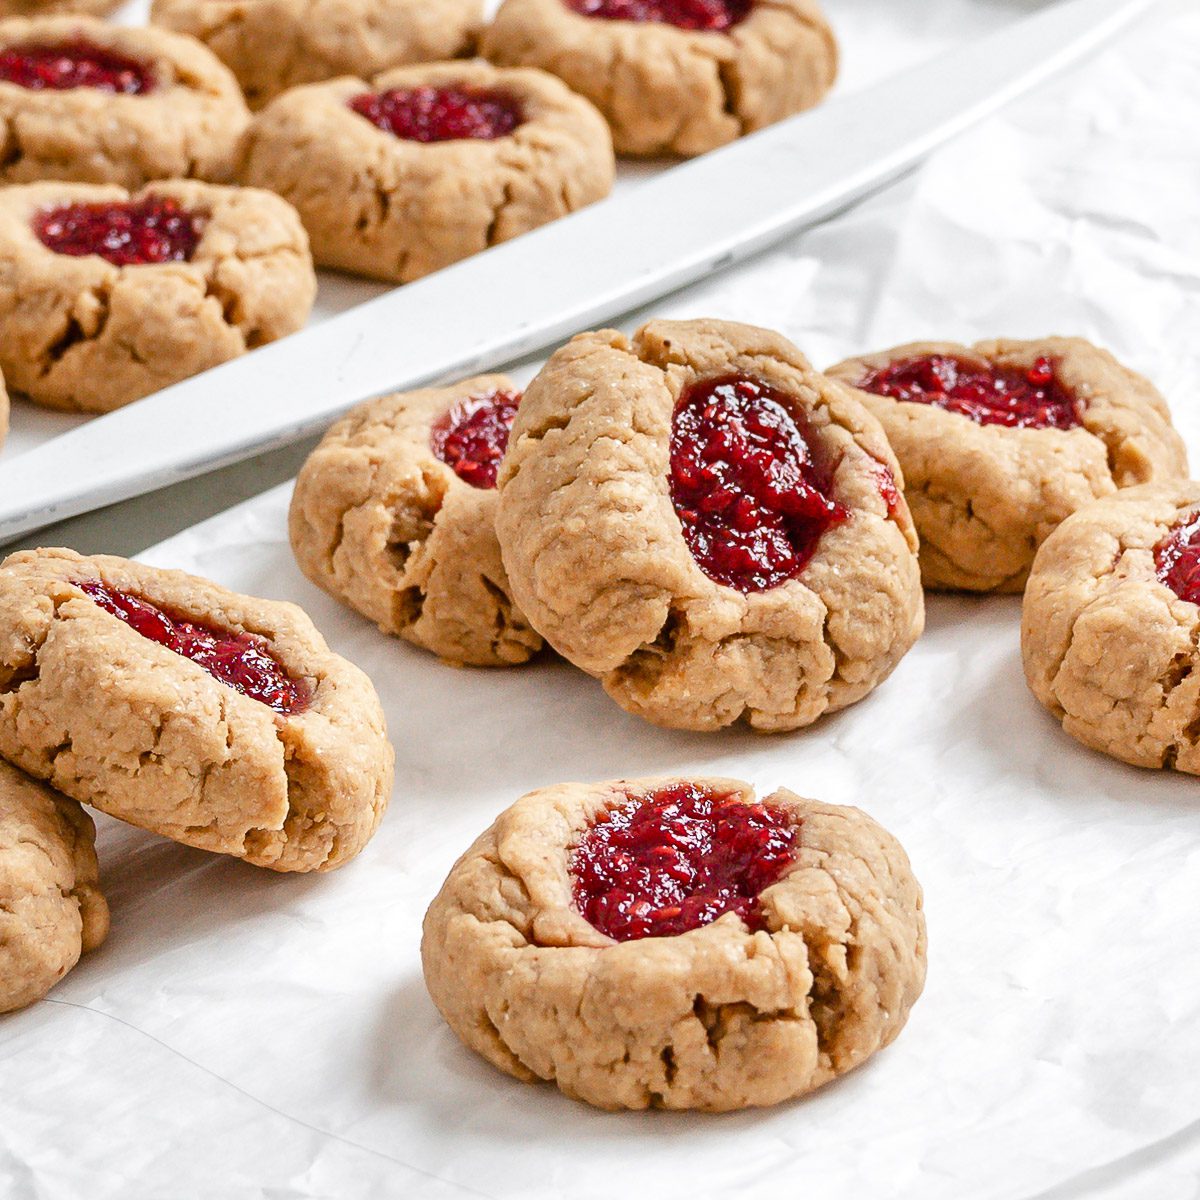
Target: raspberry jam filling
x=1177, y=559
x=441, y=114
x=748, y=491
x=238, y=660
x=677, y=859
x=154, y=230
x=1031, y=398
x=472, y=437
x=712, y=16
x=74, y=64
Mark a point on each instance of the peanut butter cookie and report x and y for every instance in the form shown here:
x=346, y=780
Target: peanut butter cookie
x=1001, y=441
x=273, y=45
x=675, y=943
x=674, y=76
x=216, y=719
x=85, y=100
x=427, y=165
x=51, y=907
x=34, y=8
x=394, y=514
x=708, y=525
x=106, y=297
x=1110, y=628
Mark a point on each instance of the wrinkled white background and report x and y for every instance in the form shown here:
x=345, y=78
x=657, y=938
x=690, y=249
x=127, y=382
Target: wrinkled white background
x=250, y=1035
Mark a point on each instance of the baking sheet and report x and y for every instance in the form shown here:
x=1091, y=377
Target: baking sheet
x=250, y=1035
x=878, y=38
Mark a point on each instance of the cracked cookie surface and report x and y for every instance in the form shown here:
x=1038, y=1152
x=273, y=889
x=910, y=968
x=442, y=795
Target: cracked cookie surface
x=378, y=520
x=1108, y=647
x=80, y=332
x=125, y=724
x=51, y=906
x=717, y=1018
x=273, y=45
x=983, y=496
x=596, y=556
x=186, y=126
x=391, y=208
x=666, y=90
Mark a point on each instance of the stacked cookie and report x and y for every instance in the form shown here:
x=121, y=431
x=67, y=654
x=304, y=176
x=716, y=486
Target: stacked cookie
x=719, y=533
x=219, y=720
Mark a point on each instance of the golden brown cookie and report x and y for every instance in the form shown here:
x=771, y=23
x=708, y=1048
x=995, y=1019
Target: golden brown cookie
x=1110, y=627
x=482, y=156
x=394, y=514
x=187, y=275
x=85, y=100
x=708, y=525
x=675, y=943
x=251, y=739
x=1001, y=441
x=674, y=76
x=34, y=8
x=273, y=45
x=51, y=907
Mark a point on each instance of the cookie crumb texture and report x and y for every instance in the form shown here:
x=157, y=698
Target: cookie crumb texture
x=394, y=208
x=666, y=89
x=273, y=45
x=186, y=126
x=1108, y=637
x=51, y=906
x=387, y=525
x=78, y=331
x=985, y=493
x=597, y=558
x=118, y=721
x=716, y=1018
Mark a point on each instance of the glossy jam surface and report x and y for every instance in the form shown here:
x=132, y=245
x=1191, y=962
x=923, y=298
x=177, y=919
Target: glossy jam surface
x=1020, y=399
x=153, y=230
x=746, y=486
x=441, y=114
x=472, y=437
x=679, y=859
x=712, y=16
x=74, y=64
x=1177, y=559
x=238, y=660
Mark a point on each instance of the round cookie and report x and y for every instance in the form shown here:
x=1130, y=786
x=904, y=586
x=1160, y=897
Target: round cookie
x=51, y=907
x=735, y=979
x=1111, y=622
x=104, y=103
x=188, y=275
x=1027, y=432
x=397, y=207
x=727, y=68
x=273, y=45
x=251, y=739
x=394, y=514
x=708, y=525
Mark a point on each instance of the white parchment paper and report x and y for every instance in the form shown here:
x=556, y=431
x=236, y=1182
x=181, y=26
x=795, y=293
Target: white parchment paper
x=250, y=1035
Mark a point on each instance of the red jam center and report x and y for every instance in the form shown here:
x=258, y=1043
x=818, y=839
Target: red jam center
x=679, y=859
x=238, y=660
x=472, y=437
x=751, y=498
x=1177, y=560
x=74, y=64
x=154, y=230
x=713, y=16
x=1028, y=399
x=441, y=114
